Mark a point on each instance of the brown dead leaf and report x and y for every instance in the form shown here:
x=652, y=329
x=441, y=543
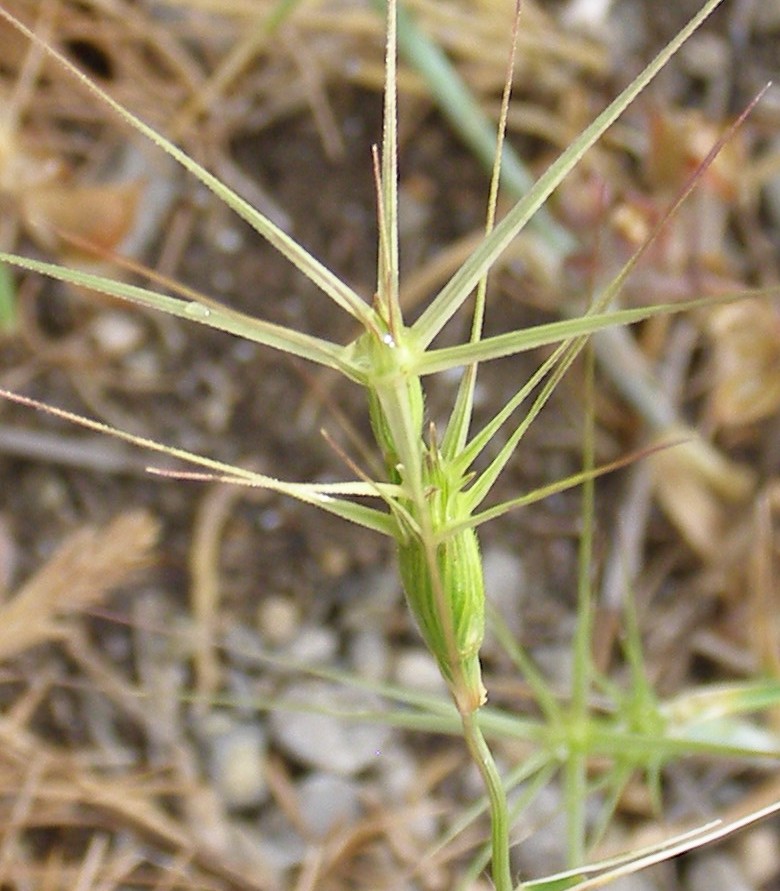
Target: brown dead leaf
x=698, y=487
x=102, y=215
x=745, y=340
x=680, y=141
x=83, y=570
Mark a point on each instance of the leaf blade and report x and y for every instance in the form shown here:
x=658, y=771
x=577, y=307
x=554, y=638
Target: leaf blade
x=513, y=342
x=287, y=340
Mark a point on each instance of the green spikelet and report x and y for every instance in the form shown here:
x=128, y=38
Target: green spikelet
x=381, y=428
x=448, y=602
x=441, y=571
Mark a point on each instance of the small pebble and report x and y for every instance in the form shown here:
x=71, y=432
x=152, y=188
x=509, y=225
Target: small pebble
x=116, y=333
x=705, y=55
x=278, y=619
x=556, y=663
x=144, y=364
x=313, y=646
x=505, y=584
x=398, y=774
x=369, y=654
x=327, y=802
x=228, y=239
x=716, y=872
x=280, y=846
x=237, y=762
x=759, y=853
x=542, y=828
x=587, y=14
x=399, y=780
x=416, y=669
x=319, y=737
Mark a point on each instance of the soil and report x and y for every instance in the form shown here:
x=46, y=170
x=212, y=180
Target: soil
x=71, y=694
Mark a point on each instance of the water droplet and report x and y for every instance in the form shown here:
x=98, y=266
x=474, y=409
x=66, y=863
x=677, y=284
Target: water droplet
x=197, y=310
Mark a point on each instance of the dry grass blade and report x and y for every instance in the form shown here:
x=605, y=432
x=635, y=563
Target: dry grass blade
x=86, y=566
x=62, y=792
x=213, y=514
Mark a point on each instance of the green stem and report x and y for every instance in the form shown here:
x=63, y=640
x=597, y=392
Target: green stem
x=499, y=813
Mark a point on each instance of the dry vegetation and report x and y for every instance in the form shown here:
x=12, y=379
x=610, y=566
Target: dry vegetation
x=132, y=604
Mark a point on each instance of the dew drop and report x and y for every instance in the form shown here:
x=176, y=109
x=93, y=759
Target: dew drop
x=197, y=310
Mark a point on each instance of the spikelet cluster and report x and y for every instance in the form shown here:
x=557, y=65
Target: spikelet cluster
x=440, y=565
x=446, y=594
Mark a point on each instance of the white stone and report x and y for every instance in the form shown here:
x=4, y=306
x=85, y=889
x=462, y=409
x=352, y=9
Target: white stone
x=369, y=654
x=116, y=333
x=716, y=872
x=238, y=763
x=327, y=803
x=505, y=584
x=313, y=646
x=416, y=669
x=278, y=619
x=321, y=735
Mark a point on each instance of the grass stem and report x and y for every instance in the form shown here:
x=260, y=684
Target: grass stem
x=499, y=812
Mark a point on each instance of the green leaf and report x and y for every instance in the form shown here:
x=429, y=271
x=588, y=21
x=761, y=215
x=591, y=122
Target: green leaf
x=512, y=342
x=8, y=306
x=287, y=340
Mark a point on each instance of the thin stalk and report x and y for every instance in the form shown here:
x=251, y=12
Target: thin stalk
x=499, y=811
x=389, y=257
x=582, y=640
x=460, y=419
x=457, y=103
x=576, y=768
x=535, y=772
